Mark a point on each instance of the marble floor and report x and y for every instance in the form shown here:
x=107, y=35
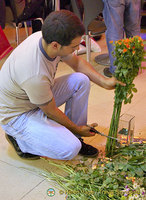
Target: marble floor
x=22, y=179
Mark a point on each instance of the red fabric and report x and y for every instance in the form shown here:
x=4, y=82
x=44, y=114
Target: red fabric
x=5, y=46
x=83, y=43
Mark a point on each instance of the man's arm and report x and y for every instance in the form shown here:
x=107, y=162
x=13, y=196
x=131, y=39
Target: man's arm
x=51, y=110
x=80, y=65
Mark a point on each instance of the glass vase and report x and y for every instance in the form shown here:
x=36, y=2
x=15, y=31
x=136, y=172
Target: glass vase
x=126, y=129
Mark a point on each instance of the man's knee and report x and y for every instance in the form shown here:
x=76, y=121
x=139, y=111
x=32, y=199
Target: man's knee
x=71, y=150
x=84, y=80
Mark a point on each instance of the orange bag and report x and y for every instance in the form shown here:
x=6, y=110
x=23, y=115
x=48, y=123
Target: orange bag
x=5, y=46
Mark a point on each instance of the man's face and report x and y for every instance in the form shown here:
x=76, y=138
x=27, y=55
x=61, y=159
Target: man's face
x=66, y=50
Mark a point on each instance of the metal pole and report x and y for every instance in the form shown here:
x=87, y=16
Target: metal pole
x=57, y=5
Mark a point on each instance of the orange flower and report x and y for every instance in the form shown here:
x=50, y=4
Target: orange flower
x=130, y=178
x=133, y=179
x=142, y=44
x=111, y=42
x=127, y=45
x=133, y=52
x=124, y=50
x=139, y=38
x=127, y=40
x=133, y=47
x=119, y=43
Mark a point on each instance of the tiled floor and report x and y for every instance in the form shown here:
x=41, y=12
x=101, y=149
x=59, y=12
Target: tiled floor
x=22, y=179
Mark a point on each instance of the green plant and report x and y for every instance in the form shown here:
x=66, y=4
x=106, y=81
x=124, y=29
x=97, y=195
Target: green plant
x=128, y=55
x=118, y=178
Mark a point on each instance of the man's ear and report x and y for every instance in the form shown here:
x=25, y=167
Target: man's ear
x=55, y=45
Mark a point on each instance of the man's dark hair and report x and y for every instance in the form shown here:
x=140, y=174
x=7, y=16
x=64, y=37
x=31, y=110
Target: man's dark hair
x=62, y=26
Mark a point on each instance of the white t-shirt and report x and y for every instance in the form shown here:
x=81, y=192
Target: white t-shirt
x=26, y=78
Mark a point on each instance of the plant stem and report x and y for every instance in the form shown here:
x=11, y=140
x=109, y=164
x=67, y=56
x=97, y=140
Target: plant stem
x=110, y=145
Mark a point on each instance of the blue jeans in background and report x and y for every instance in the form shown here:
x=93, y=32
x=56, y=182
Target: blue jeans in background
x=120, y=16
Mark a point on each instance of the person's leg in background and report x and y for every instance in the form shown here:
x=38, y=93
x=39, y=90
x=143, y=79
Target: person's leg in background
x=143, y=17
x=37, y=8
x=65, y=4
x=2, y=13
x=114, y=19
x=19, y=5
x=32, y=9
x=132, y=18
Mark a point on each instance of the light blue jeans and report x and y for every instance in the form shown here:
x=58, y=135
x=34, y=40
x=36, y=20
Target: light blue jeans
x=39, y=135
x=120, y=16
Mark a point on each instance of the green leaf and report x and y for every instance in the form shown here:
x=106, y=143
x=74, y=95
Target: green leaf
x=115, y=186
x=143, y=167
x=139, y=172
x=123, y=198
x=107, y=181
x=121, y=166
x=134, y=90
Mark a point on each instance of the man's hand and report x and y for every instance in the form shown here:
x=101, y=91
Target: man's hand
x=110, y=83
x=84, y=131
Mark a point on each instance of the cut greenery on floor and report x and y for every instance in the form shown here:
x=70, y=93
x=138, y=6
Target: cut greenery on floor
x=118, y=178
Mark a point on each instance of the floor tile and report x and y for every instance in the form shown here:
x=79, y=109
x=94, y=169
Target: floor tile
x=15, y=182
x=41, y=192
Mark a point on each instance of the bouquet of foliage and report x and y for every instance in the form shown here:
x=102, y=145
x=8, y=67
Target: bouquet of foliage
x=128, y=55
